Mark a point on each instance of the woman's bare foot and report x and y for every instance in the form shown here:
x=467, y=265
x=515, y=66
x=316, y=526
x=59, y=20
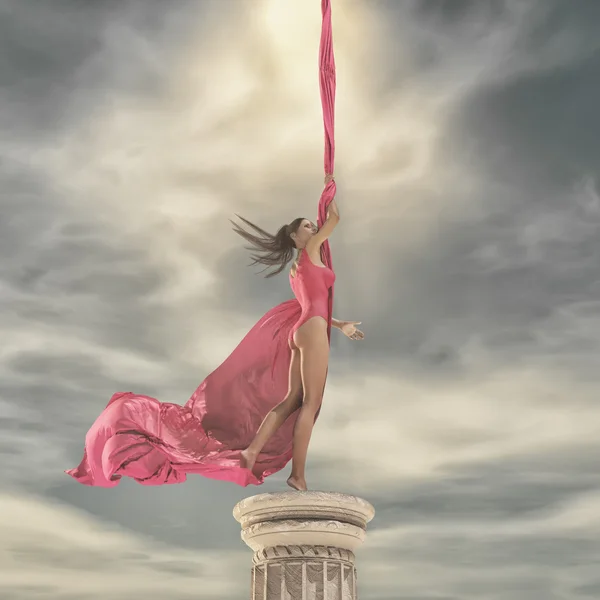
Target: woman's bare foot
x=247, y=459
x=297, y=483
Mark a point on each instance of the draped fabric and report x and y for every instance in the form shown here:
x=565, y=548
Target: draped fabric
x=158, y=443
x=327, y=86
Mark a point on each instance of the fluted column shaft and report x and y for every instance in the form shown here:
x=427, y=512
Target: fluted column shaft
x=290, y=572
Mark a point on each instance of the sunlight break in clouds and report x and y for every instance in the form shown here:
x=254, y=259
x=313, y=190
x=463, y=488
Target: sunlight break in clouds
x=158, y=168
x=163, y=172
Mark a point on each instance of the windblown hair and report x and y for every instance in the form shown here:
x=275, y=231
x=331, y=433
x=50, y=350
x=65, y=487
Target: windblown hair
x=270, y=250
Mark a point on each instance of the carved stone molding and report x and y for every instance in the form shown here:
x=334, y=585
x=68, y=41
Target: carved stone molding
x=303, y=543
x=300, y=505
x=293, y=553
x=304, y=533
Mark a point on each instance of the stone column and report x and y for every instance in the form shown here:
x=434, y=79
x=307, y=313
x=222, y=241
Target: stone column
x=303, y=544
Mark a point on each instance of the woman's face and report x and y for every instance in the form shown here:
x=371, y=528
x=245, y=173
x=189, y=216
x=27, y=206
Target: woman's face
x=306, y=230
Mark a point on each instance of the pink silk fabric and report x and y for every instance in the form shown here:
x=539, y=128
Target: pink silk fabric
x=158, y=443
x=327, y=86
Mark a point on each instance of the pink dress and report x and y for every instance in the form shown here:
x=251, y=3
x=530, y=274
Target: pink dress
x=158, y=443
x=311, y=286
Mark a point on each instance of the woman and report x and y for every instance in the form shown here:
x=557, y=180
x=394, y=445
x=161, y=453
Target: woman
x=255, y=412
x=310, y=280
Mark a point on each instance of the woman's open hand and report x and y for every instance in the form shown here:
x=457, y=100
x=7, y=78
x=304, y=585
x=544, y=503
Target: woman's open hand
x=348, y=328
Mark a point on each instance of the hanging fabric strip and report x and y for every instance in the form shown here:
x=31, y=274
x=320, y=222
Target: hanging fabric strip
x=327, y=83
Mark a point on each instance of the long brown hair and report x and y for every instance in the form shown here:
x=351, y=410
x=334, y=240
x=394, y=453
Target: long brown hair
x=270, y=250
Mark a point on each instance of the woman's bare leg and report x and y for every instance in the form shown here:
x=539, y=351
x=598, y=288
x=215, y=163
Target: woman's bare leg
x=278, y=415
x=312, y=340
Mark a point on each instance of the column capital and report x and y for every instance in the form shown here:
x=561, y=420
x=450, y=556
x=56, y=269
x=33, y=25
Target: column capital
x=312, y=518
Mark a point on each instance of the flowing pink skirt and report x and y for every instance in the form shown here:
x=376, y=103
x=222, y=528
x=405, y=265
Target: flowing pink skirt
x=157, y=443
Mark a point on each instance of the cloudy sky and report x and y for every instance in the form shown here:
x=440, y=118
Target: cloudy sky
x=468, y=151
